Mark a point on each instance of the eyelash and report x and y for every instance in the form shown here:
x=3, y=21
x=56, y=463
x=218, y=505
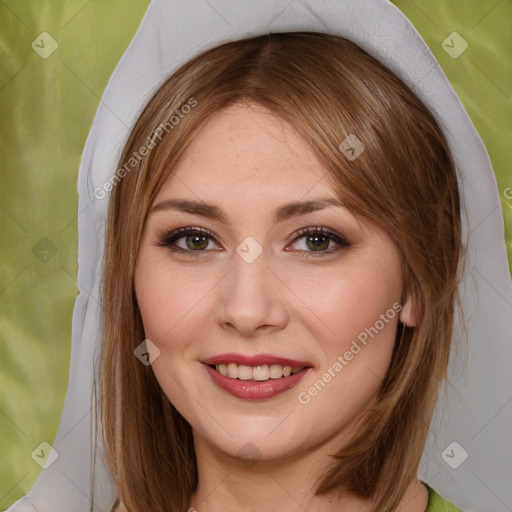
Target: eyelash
x=167, y=240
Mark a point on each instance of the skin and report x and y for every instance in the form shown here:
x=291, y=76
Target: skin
x=248, y=162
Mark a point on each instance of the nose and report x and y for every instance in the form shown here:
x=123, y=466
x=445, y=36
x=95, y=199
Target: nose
x=251, y=298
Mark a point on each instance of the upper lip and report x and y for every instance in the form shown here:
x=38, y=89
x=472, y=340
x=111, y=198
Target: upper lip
x=254, y=360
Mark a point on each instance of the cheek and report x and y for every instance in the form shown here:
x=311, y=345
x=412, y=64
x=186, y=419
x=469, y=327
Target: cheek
x=349, y=302
x=356, y=319
x=161, y=301
x=171, y=300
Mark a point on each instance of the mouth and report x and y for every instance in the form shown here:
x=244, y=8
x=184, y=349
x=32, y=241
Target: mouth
x=255, y=377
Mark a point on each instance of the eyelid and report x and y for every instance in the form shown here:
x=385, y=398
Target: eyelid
x=166, y=238
x=320, y=229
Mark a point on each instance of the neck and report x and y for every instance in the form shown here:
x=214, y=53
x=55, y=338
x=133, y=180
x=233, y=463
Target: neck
x=229, y=484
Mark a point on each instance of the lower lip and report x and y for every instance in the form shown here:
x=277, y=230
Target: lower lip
x=253, y=389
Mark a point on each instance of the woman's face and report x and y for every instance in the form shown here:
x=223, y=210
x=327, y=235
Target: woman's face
x=271, y=278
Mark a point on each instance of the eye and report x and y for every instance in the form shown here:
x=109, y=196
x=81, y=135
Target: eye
x=195, y=240
x=317, y=241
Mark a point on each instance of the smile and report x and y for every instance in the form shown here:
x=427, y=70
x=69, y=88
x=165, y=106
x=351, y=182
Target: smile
x=256, y=377
x=258, y=373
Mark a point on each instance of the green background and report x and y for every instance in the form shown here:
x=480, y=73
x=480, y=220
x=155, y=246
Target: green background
x=47, y=107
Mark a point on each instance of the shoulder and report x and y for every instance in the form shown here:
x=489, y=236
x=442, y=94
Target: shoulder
x=437, y=503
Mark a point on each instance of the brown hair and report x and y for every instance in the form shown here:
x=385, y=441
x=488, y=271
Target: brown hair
x=405, y=181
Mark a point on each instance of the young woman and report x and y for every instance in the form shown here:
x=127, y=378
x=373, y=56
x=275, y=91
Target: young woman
x=286, y=250
x=275, y=205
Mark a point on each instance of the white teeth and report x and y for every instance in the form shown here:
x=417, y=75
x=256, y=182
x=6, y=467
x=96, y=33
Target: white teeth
x=276, y=371
x=232, y=370
x=260, y=373
x=244, y=372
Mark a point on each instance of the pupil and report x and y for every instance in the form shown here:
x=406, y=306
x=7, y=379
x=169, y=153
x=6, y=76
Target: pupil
x=318, y=241
x=196, y=241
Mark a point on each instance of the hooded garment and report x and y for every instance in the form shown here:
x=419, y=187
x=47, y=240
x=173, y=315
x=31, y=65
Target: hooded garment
x=467, y=457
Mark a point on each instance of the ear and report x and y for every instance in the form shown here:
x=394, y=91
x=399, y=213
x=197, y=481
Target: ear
x=408, y=313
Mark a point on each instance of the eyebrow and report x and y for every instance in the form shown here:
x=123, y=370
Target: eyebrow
x=212, y=211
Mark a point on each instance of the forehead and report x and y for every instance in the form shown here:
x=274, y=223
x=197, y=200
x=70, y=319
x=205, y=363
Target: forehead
x=246, y=152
